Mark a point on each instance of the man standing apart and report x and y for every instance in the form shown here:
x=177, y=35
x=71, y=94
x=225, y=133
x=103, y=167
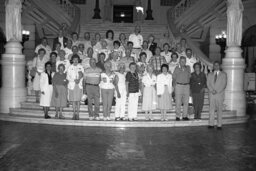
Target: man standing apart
x=216, y=83
x=91, y=88
x=181, y=78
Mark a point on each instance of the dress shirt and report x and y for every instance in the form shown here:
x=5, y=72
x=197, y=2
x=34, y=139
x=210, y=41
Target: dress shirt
x=39, y=64
x=149, y=81
x=136, y=39
x=157, y=62
x=162, y=81
x=47, y=49
x=173, y=65
x=167, y=56
x=182, y=76
x=190, y=62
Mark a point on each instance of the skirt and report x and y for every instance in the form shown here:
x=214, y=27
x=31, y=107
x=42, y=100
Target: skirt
x=45, y=99
x=149, y=101
x=36, y=83
x=61, y=100
x=165, y=101
x=75, y=95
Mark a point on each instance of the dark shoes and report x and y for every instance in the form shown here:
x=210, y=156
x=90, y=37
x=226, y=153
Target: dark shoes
x=185, y=119
x=117, y=119
x=47, y=117
x=210, y=127
x=75, y=117
x=219, y=128
x=177, y=119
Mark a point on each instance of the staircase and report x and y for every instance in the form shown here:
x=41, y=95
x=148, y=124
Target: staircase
x=31, y=112
x=127, y=28
x=49, y=15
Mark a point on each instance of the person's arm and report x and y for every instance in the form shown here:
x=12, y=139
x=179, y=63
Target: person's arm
x=223, y=83
x=116, y=80
x=209, y=83
x=43, y=82
x=174, y=76
x=158, y=85
x=127, y=79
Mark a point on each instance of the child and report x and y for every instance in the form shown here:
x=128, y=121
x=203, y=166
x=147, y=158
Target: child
x=164, y=91
x=132, y=89
x=120, y=101
x=149, y=92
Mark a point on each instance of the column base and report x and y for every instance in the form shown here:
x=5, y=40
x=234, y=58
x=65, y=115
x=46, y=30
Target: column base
x=233, y=64
x=13, y=90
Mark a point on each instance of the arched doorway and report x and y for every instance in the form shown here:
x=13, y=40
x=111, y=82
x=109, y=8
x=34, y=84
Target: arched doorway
x=249, y=48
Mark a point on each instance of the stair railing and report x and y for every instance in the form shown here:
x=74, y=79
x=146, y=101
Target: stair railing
x=181, y=7
x=206, y=63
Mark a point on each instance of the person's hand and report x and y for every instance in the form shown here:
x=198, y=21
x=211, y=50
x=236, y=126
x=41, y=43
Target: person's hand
x=127, y=94
x=77, y=81
x=214, y=92
x=159, y=96
x=42, y=92
x=118, y=95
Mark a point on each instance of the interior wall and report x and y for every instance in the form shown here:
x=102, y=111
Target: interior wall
x=159, y=12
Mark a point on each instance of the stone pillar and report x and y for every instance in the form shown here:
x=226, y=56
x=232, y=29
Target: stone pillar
x=13, y=90
x=149, y=12
x=233, y=63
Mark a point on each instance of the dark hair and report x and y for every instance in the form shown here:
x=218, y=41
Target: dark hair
x=75, y=56
x=145, y=41
x=216, y=62
x=116, y=42
x=157, y=48
x=174, y=53
x=44, y=38
x=47, y=63
x=197, y=64
x=58, y=43
x=60, y=66
x=129, y=42
x=74, y=33
x=132, y=63
x=120, y=36
x=42, y=49
x=188, y=49
x=110, y=31
x=164, y=66
x=53, y=53
x=166, y=44
x=141, y=54
x=183, y=57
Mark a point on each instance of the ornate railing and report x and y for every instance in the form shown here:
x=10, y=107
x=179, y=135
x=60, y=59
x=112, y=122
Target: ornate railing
x=67, y=6
x=202, y=58
x=181, y=7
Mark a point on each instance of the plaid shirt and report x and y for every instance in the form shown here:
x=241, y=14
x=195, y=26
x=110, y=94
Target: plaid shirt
x=157, y=62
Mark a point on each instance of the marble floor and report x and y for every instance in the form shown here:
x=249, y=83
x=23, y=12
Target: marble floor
x=48, y=147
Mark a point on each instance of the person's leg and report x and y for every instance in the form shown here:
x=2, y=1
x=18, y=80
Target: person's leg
x=96, y=102
x=219, y=102
x=212, y=110
x=109, y=101
x=57, y=112
x=195, y=104
x=178, y=98
x=123, y=102
x=89, y=99
x=118, y=107
x=150, y=115
x=135, y=105
x=162, y=114
x=37, y=93
x=104, y=95
x=61, y=115
x=185, y=101
x=74, y=110
x=130, y=105
x=78, y=109
x=200, y=104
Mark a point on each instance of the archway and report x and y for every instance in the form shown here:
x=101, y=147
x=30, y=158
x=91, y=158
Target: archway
x=249, y=48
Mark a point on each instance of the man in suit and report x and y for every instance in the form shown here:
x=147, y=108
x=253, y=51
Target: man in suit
x=216, y=83
x=63, y=40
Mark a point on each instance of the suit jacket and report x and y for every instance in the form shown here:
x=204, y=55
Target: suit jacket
x=219, y=85
x=152, y=47
x=56, y=40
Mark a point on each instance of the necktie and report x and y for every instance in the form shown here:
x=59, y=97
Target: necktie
x=215, y=77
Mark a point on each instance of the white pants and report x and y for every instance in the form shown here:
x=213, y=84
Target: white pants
x=133, y=105
x=120, y=103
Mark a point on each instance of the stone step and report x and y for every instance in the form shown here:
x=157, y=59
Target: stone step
x=118, y=124
x=33, y=105
x=84, y=114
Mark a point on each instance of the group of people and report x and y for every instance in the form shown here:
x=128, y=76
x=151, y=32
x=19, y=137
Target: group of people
x=134, y=68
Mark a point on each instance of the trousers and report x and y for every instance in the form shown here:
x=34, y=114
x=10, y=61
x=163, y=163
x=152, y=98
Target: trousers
x=182, y=97
x=216, y=104
x=133, y=105
x=120, y=103
x=107, y=99
x=93, y=95
x=198, y=103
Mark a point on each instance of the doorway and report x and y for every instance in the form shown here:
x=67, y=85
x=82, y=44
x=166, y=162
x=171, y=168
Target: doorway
x=123, y=14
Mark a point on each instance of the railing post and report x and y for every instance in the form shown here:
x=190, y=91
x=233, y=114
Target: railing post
x=96, y=11
x=149, y=12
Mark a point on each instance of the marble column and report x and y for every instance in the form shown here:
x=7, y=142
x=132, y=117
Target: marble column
x=13, y=90
x=233, y=63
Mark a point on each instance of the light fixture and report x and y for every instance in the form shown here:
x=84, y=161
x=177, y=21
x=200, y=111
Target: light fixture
x=122, y=14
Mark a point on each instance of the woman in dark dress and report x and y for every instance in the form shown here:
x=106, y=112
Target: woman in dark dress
x=197, y=86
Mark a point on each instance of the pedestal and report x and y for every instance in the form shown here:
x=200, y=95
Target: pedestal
x=233, y=64
x=13, y=90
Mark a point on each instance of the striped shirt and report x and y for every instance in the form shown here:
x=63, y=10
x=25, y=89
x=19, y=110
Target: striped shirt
x=92, y=76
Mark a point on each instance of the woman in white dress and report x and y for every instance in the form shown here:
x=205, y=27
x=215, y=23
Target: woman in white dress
x=149, y=92
x=46, y=88
x=39, y=67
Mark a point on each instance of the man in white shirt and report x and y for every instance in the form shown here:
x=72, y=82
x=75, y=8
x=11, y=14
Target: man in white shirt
x=87, y=41
x=45, y=46
x=146, y=50
x=137, y=40
x=60, y=39
x=190, y=59
x=68, y=49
